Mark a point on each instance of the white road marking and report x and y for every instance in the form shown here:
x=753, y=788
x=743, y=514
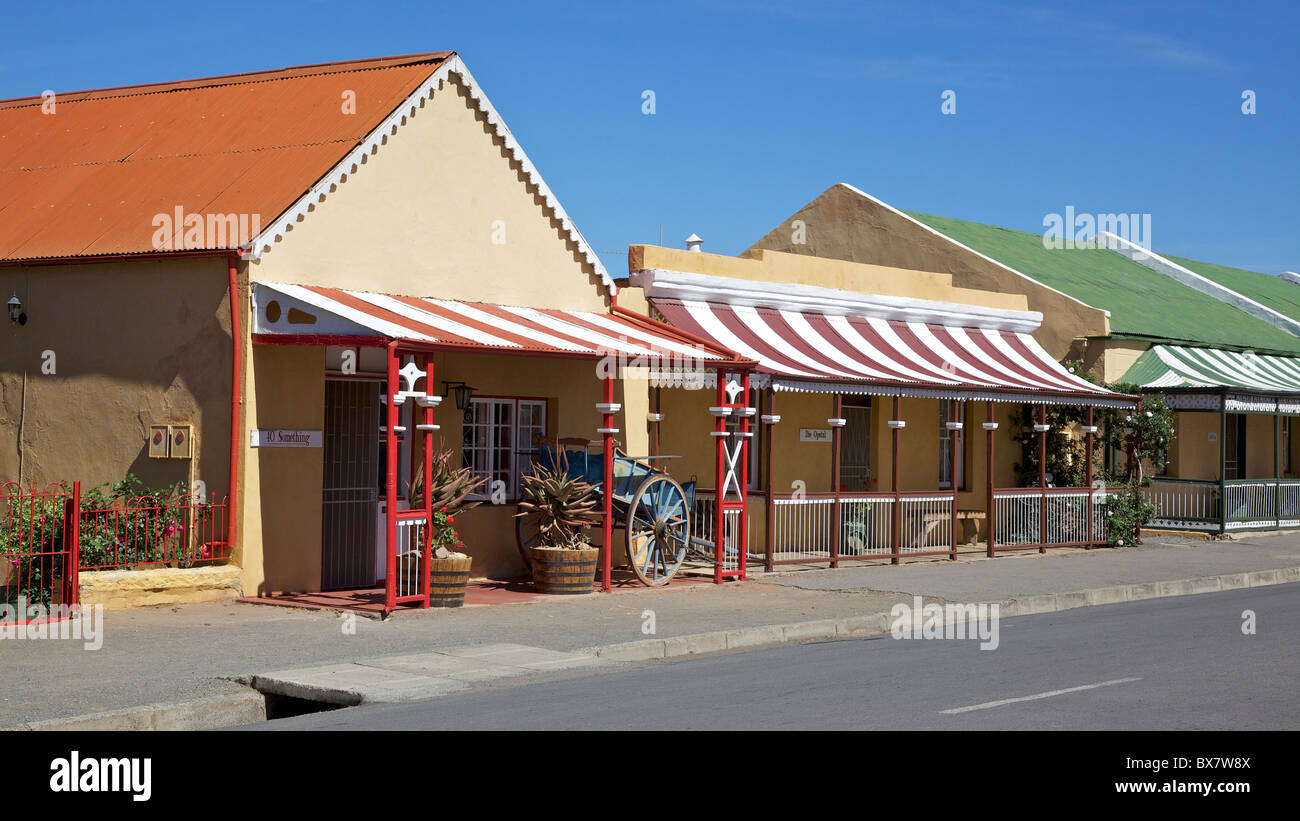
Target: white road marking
x=988, y=704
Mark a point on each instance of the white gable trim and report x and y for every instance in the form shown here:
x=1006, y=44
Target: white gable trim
x=356, y=158
x=966, y=248
x=1178, y=273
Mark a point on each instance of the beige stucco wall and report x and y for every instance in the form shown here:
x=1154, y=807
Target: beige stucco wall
x=279, y=539
x=1193, y=455
x=797, y=269
x=1109, y=359
x=1259, y=447
x=133, y=344
x=421, y=215
x=841, y=224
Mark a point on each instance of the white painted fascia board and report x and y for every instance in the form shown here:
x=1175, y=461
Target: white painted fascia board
x=1150, y=259
x=667, y=284
x=337, y=175
x=967, y=248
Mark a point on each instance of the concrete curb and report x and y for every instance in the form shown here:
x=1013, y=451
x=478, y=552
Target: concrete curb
x=878, y=623
x=200, y=714
x=249, y=707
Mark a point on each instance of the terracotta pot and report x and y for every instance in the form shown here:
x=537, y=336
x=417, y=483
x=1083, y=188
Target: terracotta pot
x=564, y=571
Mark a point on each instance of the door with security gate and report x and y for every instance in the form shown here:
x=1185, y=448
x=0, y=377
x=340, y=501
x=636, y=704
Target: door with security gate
x=350, y=495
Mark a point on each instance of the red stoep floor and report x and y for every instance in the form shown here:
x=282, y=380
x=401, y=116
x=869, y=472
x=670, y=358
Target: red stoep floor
x=479, y=591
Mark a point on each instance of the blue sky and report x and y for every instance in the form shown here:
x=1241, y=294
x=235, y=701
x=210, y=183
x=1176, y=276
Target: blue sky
x=1105, y=106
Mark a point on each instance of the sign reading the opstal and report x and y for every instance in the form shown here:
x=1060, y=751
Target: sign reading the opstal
x=814, y=434
x=266, y=438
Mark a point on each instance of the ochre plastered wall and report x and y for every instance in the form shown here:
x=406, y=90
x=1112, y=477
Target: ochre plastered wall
x=279, y=542
x=1259, y=446
x=1194, y=456
x=842, y=224
x=133, y=344
x=796, y=269
x=440, y=210
x=1109, y=359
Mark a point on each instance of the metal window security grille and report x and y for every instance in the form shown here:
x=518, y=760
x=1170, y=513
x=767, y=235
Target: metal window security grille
x=855, y=447
x=349, y=502
x=498, y=440
x=945, y=446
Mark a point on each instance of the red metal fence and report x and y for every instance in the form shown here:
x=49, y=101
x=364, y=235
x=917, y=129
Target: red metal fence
x=48, y=536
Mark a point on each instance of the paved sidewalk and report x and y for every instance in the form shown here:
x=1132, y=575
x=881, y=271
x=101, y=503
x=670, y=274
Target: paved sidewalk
x=175, y=654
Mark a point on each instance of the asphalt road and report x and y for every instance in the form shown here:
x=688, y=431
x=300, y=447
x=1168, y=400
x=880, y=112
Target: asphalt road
x=1176, y=663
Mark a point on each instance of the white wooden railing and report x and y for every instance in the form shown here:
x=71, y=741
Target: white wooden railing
x=1021, y=520
x=1246, y=503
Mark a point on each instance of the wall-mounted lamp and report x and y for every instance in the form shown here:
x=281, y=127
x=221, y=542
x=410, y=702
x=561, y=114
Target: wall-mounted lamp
x=463, y=393
x=16, y=314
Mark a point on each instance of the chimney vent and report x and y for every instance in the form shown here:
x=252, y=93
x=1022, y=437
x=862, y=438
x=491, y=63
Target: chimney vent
x=693, y=242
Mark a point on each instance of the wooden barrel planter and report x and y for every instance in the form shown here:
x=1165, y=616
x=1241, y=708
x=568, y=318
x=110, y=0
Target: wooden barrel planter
x=563, y=571
x=447, y=581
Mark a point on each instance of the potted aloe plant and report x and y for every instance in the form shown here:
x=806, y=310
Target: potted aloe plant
x=562, y=507
x=449, y=490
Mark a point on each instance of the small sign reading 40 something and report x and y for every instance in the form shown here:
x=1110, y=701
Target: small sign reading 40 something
x=269, y=438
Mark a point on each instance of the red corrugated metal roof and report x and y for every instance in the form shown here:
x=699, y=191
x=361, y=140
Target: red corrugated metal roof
x=90, y=178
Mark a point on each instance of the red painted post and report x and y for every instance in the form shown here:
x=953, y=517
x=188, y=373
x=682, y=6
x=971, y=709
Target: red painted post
x=607, y=535
x=770, y=511
x=954, y=443
x=719, y=479
x=1042, y=477
x=991, y=515
x=837, y=408
x=427, y=548
x=72, y=574
x=743, y=536
x=896, y=530
x=390, y=480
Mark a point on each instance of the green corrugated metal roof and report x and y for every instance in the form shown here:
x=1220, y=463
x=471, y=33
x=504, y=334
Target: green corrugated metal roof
x=1271, y=291
x=1175, y=366
x=1141, y=302
x=1146, y=369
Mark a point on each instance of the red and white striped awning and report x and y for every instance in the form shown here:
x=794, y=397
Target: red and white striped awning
x=833, y=350
x=310, y=314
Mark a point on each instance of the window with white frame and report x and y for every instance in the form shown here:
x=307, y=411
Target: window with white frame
x=498, y=439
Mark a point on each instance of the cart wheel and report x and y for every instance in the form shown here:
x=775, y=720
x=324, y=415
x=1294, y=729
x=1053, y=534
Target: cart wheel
x=658, y=530
x=527, y=535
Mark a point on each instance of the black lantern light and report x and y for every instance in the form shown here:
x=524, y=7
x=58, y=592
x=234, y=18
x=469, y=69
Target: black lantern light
x=16, y=314
x=463, y=393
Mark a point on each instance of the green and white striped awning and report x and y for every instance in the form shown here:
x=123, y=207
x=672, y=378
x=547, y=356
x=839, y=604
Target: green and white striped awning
x=1175, y=366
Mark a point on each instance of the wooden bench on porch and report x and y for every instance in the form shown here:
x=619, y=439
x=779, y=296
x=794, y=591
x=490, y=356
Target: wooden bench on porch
x=969, y=530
